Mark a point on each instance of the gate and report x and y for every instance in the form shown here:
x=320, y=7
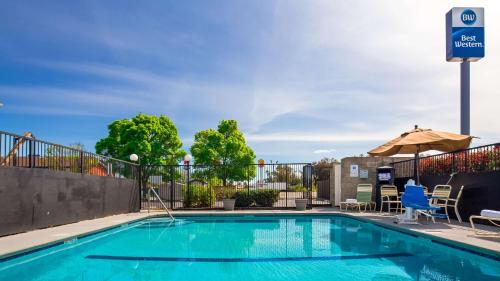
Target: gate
x=320, y=195
x=253, y=186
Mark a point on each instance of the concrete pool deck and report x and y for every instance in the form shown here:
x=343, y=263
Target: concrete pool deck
x=460, y=234
x=12, y=244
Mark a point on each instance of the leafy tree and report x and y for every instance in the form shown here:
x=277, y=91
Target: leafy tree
x=226, y=149
x=153, y=138
x=77, y=145
x=66, y=159
x=54, y=150
x=322, y=167
x=284, y=173
x=325, y=163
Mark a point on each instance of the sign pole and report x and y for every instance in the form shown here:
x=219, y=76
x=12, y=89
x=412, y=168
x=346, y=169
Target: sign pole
x=465, y=97
x=465, y=44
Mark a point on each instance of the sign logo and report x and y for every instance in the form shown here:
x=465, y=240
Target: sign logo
x=465, y=34
x=468, y=17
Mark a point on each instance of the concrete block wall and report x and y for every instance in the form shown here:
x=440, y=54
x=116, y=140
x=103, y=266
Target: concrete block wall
x=39, y=198
x=349, y=184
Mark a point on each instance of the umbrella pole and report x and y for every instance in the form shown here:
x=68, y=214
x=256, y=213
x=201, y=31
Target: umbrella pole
x=417, y=166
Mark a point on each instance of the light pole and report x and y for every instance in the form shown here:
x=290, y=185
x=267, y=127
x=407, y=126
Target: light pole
x=187, y=159
x=135, y=158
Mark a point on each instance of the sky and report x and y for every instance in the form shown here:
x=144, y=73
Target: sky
x=304, y=79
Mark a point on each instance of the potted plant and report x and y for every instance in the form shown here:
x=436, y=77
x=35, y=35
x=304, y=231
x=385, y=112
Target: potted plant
x=300, y=204
x=229, y=199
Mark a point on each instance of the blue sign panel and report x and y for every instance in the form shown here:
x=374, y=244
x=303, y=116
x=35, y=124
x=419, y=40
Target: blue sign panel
x=465, y=34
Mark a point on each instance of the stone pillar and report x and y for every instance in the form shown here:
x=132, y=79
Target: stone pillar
x=335, y=186
x=332, y=185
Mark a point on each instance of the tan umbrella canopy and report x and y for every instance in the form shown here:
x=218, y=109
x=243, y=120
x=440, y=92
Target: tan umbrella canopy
x=420, y=140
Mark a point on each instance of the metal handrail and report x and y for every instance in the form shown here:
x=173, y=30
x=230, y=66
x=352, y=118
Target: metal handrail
x=23, y=137
x=163, y=204
x=200, y=166
x=449, y=153
x=474, y=159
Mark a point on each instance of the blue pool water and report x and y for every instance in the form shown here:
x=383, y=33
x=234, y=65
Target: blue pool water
x=250, y=248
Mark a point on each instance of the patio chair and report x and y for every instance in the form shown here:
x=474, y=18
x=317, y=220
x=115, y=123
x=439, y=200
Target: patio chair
x=389, y=195
x=415, y=202
x=363, y=198
x=426, y=189
x=450, y=202
x=489, y=215
x=440, y=196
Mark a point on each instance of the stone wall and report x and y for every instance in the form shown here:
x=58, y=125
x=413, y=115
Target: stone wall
x=349, y=184
x=39, y=198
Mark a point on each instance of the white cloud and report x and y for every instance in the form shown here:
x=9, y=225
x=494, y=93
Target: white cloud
x=308, y=137
x=318, y=72
x=324, y=151
x=395, y=52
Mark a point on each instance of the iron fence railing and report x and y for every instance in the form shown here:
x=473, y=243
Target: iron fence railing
x=477, y=159
x=27, y=152
x=202, y=186
x=179, y=186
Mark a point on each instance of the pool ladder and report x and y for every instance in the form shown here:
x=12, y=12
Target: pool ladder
x=162, y=203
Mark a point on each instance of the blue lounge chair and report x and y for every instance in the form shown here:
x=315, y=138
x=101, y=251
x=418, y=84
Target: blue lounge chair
x=415, y=202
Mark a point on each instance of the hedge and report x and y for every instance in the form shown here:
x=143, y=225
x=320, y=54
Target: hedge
x=259, y=198
x=243, y=199
x=265, y=198
x=198, y=197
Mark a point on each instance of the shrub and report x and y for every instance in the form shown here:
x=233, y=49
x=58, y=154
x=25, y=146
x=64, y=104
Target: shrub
x=243, y=199
x=298, y=188
x=265, y=197
x=224, y=192
x=198, y=196
x=261, y=198
x=485, y=159
x=229, y=193
x=301, y=188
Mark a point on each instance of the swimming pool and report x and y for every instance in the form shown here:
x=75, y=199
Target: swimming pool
x=250, y=248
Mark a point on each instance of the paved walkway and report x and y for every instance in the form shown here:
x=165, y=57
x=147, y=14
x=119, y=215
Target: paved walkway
x=460, y=234
x=41, y=237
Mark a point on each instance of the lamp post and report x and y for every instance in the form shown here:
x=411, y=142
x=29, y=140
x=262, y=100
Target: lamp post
x=260, y=181
x=187, y=159
x=135, y=158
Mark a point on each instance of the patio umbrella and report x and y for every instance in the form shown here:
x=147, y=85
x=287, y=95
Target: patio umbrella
x=420, y=140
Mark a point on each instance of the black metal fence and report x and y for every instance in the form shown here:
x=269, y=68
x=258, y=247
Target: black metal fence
x=27, y=152
x=253, y=186
x=477, y=159
x=179, y=186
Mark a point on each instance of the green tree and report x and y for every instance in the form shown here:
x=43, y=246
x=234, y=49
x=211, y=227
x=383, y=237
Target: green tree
x=77, y=145
x=61, y=158
x=153, y=138
x=284, y=173
x=322, y=167
x=227, y=150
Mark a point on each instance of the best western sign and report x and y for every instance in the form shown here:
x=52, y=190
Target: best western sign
x=465, y=34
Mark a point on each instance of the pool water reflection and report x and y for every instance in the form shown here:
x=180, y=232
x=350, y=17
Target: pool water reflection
x=251, y=248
